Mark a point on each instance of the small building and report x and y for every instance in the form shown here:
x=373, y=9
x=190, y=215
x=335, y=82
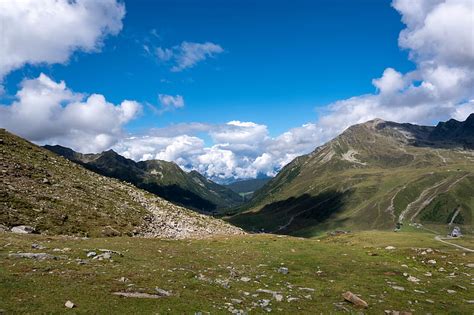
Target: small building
x=456, y=232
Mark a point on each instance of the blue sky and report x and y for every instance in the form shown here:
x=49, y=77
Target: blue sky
x=282, y=59
x=233, y=89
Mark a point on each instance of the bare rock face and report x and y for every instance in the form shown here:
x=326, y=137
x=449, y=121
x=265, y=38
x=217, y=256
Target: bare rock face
x=23, y=229
x=354, y=299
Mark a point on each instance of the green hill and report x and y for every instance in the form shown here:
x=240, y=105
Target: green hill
x=164, y=179
x=55, y=196
x=370, y=177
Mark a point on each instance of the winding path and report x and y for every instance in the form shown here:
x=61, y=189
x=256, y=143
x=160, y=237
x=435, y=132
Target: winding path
x=440, y=239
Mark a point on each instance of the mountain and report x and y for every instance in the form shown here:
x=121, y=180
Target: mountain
x=372, y=176
x=55, y=196
x=165, y=179
x=247, y=187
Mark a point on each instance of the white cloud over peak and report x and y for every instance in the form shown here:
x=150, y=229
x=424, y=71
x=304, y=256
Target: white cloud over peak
x=187, y=54
x=49, y=31
x=46, y=111
x=439, y=36
x=239, y=149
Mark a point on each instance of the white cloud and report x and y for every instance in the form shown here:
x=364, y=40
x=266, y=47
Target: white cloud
x=239, y=149
x=49, y=31
x=170, y=101
x=46, y=111
x=440, y=38
x=187, y=54
x=391, y=81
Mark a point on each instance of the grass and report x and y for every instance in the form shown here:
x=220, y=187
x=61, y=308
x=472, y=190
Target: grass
x=195, y=271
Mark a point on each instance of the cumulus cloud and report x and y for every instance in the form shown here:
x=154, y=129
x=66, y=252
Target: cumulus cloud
x=49, y=31
x=170, y=101
x=238, y=150
x=46, y=111
x=440, y=40
x=187, y=54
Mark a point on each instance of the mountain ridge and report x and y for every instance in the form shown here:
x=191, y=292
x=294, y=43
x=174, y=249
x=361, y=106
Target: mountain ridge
x=163, y=178
x=372, y=175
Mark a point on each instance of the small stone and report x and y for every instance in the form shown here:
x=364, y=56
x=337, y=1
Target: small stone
x=431, y=262
x=396, y=287
x=470, y=265
x=354, y=299
x=413, y=279
x=283, y=270
x=162, y=292
x=69, y=304
x=390, y=247
x=91, y=254
x=429, y=301
x=245, y=279
x=450, y=291
x=236, y=301
x=278, y=297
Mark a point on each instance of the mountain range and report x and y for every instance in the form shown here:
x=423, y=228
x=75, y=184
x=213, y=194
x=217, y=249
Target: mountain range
x=55, y=196
x=375, y=175
x=162, y=178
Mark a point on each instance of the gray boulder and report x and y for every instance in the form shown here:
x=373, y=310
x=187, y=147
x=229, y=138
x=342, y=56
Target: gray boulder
x=23, y=229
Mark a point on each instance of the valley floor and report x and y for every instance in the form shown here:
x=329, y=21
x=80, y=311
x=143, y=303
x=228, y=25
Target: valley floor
x=227, y=274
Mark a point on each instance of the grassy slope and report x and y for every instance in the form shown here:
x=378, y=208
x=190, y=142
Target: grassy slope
x=324, y=191
x=330, y=265
x=56, y=196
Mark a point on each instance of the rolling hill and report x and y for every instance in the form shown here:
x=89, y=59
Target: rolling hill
x=372, y=176
x=55, y=196
x=164, y=179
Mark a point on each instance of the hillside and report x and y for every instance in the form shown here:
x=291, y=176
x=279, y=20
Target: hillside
x=164, y=179
x=373, y=175
x=56, y=196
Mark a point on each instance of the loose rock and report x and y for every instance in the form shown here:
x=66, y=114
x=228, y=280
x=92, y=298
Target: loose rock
x=23, y=229
x=354, y=299
x=283, y=270
x=69, y=304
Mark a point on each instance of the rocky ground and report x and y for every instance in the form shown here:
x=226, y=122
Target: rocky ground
x=369, y=272
x=167, y=220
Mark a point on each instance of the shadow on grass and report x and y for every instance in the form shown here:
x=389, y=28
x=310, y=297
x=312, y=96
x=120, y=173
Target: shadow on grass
x=295, y=213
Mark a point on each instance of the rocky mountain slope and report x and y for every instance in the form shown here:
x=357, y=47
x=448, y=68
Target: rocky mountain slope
x=373, y=175
x=165, y=179
x=55, y=196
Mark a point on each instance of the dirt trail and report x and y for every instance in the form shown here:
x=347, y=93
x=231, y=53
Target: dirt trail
x=440, y=239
